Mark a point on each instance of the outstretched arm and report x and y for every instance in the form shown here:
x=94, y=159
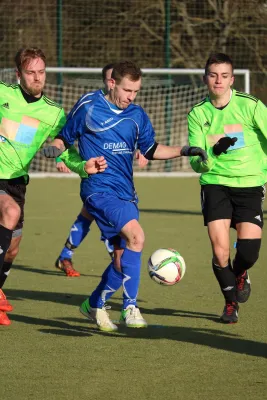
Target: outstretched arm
x=164, y=152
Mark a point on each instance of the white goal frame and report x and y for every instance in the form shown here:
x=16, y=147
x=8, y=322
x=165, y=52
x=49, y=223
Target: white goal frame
x=154, y=71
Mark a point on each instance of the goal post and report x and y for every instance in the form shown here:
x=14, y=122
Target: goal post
x=154, y=71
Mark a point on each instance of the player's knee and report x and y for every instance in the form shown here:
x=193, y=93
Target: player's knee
x=247, y=252
x=221, y=256
x=137, y=241
x=13, y=249
x=11, y=254
x=140, y=239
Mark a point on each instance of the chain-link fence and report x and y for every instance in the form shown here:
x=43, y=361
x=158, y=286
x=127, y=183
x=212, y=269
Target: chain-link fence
x=155, y=34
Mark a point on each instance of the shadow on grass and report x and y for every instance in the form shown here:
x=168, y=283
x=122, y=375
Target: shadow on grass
x=178, y=212
x=52, y=297
x=47, y=271
x=115, y=303
x=69, y=329
x=162, y=211
x=213, y=338
x=71, y=326
x=57, y=297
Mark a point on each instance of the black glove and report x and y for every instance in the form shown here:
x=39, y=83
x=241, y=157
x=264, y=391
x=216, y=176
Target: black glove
x=51, y=152
x=194, y=151
x=223, y=145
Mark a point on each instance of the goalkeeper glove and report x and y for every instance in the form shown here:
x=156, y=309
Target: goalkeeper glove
x=51, y=152
x=194, y=151
x=223, y=145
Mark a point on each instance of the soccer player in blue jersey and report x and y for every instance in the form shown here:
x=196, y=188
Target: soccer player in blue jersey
x=81, y=226
x=113, y=126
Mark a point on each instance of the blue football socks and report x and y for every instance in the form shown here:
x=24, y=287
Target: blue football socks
x=78, y=231
x=131, y=268
x=111, y=281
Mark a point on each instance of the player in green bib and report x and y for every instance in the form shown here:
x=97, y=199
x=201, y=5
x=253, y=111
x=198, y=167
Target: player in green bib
x=232, y=127
x=27, y=119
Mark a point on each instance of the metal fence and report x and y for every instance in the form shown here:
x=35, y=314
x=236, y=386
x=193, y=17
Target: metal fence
x=155, y=34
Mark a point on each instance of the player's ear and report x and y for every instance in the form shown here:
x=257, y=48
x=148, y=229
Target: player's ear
x=108, y=83
x=232, y=80
x=111, y=83
x=204, y=79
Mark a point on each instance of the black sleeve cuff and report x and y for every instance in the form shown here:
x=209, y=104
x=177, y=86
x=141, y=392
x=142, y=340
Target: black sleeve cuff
x=150, y=153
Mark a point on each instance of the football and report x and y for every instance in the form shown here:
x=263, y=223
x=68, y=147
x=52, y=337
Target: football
x=166, y=267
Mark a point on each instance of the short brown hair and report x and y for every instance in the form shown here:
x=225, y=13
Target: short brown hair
x=25, y=55
x=218, y=58
x=127, y=69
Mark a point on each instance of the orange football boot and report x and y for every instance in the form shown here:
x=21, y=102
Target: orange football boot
x=4, y=303
x=66, y=266
x=4, y=320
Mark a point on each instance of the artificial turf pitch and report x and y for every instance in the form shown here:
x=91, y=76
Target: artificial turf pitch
x=50, y=351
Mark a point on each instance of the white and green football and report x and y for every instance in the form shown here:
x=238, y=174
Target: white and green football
x=166, y=267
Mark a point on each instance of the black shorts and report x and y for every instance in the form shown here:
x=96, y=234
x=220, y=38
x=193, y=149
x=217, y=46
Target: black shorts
x=236, y=204
x=15, y=188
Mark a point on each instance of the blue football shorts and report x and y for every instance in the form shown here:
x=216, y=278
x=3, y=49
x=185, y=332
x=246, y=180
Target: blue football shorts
x=111, y=213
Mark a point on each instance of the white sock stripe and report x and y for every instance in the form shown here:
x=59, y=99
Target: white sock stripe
x=125, y=279
x=105, y=292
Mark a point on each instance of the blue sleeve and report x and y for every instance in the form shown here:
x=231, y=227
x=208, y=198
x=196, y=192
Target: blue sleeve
x=74, y=125
x=146, y=136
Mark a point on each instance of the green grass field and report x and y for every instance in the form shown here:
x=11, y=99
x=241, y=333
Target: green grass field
x=50, y=351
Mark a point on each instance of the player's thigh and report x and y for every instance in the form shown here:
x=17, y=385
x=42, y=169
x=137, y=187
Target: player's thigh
x=247, y=230
x=9, y=211
x=215, y=203
x=111, y=213
x=219, y=234
x=5, y=201
x=14, y=191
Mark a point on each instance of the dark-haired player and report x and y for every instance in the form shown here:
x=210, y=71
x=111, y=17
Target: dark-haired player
x=232, y=127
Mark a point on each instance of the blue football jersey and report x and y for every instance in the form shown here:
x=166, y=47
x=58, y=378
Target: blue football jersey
x=104, y=130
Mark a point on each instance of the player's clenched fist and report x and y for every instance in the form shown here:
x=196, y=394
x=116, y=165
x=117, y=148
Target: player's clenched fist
x=51, y=152
x=95, y=165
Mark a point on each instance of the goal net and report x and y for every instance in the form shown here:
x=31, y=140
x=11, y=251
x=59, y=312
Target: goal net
x=165, y=99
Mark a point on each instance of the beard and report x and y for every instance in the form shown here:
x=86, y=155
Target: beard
x=34, y=89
